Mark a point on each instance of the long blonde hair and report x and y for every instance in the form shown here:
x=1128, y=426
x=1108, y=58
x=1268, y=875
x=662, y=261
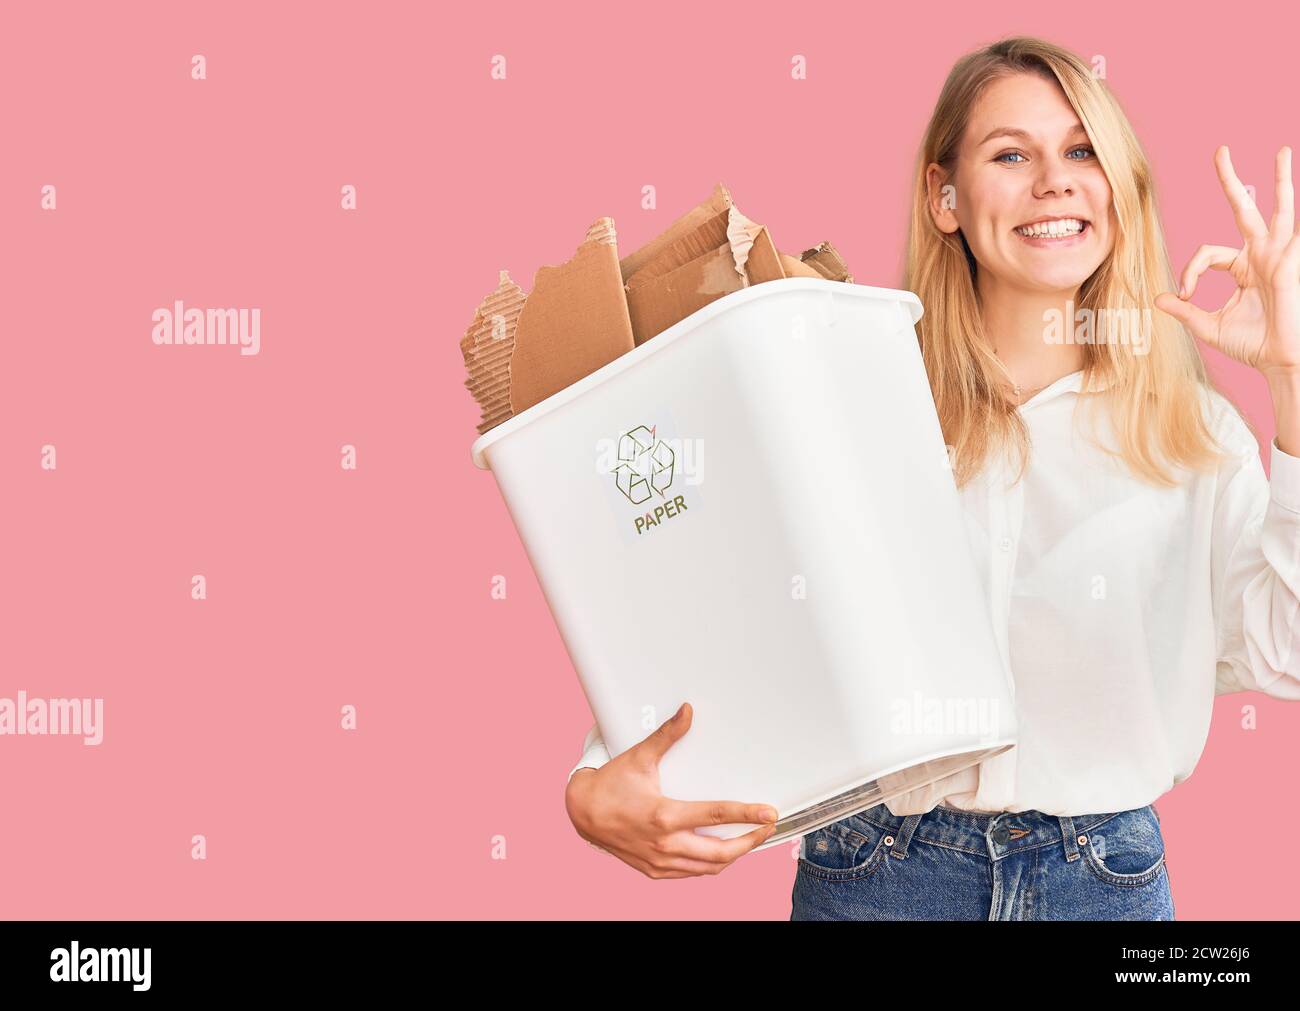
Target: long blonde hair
x=1154, y=398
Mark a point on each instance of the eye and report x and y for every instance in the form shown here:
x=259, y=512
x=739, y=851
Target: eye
x=1082, y=148
x=1007, y=154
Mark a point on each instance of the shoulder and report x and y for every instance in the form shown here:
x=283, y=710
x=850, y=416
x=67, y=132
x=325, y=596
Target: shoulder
x=1226, y=422
x=1234, y=438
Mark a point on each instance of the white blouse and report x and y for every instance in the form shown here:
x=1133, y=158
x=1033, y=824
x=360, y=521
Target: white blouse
x=1122, y=610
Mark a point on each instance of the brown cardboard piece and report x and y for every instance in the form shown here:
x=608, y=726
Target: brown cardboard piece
x=582, y=314
x=487, y=346
x=826, y=260
x=718, y=202
x=710, y=251
x=795, y=267
x=573, y=321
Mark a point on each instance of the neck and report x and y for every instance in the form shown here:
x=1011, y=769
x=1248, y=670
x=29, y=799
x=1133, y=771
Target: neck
x=1017, y=321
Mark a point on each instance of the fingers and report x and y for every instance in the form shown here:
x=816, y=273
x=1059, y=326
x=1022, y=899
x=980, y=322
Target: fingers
x=674, y=815
x=669, y=732
x=686, y=854
x=1283, y=224
x=689, y=847
x=675, y=872
x=668, y=867
x=1199, y=322
x=1206, y=257
x=1288, y=268
x=711, y=850
x=677, y=867
x=1249, y=222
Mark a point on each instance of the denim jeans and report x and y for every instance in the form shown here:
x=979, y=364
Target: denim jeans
x=948, y=864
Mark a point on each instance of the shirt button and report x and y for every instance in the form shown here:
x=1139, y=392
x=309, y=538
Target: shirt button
x=1005, y=544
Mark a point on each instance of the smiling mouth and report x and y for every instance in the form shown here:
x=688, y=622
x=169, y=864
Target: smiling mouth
x=1053, y=233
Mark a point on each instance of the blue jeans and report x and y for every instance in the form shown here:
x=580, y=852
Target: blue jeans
x=948, y=864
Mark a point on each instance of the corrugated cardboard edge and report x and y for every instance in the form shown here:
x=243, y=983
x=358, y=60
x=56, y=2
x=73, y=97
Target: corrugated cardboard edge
x=741, y=233
x=574, y=321
x=721, y=254
x=705, y=239
x=663, y=300
x=717, y=202
x=763, y=262
x=488, y=343
x=826, y=260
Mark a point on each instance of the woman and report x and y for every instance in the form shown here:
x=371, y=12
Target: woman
x=1137, y=560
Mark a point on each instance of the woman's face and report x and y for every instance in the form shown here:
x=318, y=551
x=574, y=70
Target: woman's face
x=1025, y=159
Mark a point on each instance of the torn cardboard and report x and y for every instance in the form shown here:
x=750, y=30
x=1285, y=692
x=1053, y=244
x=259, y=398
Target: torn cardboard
x=487, y=346
x=574, y=321
x=716, y=204
x=795, y=267
x=709, y=252
x=826, y=260
x=582, y=314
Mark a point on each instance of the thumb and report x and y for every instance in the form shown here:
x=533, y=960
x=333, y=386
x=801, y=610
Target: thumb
x=669, y=732
x=1199, y=322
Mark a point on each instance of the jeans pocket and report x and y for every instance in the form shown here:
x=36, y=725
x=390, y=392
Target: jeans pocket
x=1126, y=850
x=845, y=850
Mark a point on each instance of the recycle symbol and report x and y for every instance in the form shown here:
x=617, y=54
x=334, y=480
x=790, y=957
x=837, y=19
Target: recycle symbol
x=645, y=465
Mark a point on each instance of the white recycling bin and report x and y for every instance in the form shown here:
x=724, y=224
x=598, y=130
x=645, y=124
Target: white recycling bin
x=755, y=512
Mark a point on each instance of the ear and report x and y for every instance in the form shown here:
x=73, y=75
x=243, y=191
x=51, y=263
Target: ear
x=941, y=198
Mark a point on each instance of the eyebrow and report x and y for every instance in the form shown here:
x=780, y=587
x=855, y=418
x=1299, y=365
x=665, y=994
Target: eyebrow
x=1011, y=131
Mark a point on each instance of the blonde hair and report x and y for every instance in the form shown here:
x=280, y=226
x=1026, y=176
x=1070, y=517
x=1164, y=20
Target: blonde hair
x=1154, y=398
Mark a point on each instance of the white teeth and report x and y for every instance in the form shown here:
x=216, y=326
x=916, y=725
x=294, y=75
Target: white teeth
x=1066, y=226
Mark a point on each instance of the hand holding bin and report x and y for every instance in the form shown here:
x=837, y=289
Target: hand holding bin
x=753, y=512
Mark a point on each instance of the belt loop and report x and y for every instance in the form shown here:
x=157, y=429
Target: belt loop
x=1069, y=837
x=904, y=835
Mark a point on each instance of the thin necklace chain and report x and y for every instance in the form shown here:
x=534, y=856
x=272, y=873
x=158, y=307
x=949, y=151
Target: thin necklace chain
x=1016, y=388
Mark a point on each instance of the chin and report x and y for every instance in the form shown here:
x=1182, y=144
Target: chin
x=1062, y=282
x=1062, y=278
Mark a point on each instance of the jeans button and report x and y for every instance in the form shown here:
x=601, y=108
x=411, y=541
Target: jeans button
x=1001, y=835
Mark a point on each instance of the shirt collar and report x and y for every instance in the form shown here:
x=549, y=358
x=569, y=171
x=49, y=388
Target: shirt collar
x=1071, y=383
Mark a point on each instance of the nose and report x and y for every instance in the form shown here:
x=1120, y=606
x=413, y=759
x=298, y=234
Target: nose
x=1056, y=179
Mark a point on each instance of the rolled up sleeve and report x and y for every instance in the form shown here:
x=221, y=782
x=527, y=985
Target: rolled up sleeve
x=1255, y=558
x=594, y=753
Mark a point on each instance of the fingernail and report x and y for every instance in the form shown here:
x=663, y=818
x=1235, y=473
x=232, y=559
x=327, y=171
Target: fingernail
x=680, y=709
x=768, y=814
x=1182, y=291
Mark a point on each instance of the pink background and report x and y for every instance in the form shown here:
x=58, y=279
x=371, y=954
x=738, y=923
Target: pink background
x=371, y=587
